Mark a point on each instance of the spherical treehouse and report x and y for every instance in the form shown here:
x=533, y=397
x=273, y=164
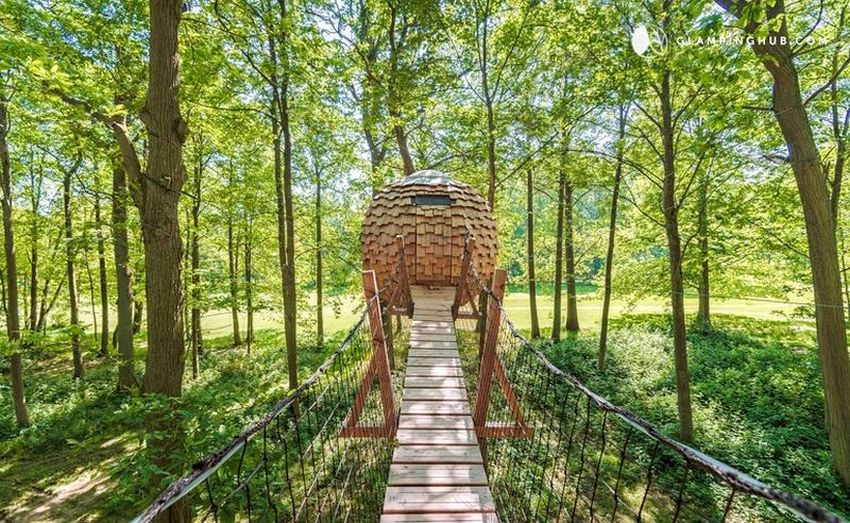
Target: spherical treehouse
x=434, y=214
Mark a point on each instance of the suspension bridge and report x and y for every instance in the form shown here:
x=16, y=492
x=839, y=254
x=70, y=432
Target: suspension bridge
x=471, y=424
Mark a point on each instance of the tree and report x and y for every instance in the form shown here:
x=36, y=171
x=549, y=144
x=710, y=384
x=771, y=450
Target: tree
x=622, y=120
x=13, y=320
x=70, y=254
x=161, y=187
x=769, y=21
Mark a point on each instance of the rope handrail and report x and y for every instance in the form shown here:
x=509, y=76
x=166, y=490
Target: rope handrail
x=204, y=468
x=738, y=481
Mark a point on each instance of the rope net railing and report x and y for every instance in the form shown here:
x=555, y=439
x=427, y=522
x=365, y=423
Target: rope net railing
x=578, y=457
x=292, y=465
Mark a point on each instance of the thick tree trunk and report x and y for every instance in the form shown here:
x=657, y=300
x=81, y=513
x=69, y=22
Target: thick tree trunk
x=532, y=279
x=559, y=258
x=790, y=113
x=13, y=320
x=403, y=147
x=823, y=255
x=320, y=320
x=796, y=128
x=123, y=281
x=73, y=300
x=704, y=310
x=232, y=256
x=602, y=358
x=677, y=287
x=161, y=189
x=102, y=279
x=569, y=250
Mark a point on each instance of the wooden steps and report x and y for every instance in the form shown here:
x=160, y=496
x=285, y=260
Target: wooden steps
x=437, y=473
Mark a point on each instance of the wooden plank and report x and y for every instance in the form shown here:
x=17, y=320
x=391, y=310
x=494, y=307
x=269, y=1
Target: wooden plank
x=433, y=371
x=436, y=437
x=483, y=517
x=435, y=422
x=401, y=500
x=422, y=344
x=432, y=336
x=432, y=353
x=433, y=382
x=433, y=362
x=438, y=474
x=436, y=454
x=450, y=408
x=435, y=394
x=439, y=321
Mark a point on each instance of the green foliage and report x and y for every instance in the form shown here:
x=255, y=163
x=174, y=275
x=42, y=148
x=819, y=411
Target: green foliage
x=756, y=386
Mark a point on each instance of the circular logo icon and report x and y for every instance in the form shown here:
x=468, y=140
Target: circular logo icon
x=645, y=39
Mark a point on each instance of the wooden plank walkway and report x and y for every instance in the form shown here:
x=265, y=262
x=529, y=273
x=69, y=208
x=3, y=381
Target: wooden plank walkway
x=437, y=473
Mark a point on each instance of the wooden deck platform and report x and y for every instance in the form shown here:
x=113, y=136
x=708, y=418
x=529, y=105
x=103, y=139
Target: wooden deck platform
x=437, y=473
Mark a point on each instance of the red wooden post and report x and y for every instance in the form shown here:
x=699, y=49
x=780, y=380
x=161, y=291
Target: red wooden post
x=461, y=289
x=405, y=281
x=382, y=366
x=488, y=357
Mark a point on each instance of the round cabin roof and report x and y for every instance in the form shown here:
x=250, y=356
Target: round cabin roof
x=434, y=214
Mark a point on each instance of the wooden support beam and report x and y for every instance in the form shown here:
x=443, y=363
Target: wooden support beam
x=461, y=290
x=488, y=356
x=491, y=367
x=379, y=368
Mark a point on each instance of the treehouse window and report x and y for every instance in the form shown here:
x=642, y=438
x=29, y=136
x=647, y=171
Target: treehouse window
x=432, y=199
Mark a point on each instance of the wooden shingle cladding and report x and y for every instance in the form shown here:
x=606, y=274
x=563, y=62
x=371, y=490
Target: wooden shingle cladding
x=434, y=213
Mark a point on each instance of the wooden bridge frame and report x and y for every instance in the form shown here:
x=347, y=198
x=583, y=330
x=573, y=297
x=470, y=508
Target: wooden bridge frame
x=490, y=366
x=379, y=367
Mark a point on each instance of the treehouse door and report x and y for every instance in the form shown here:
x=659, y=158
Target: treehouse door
x=434, y=252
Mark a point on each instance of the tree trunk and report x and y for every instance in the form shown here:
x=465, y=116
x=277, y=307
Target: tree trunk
x=104, y=287
x=92, y=299
x=532, y=280
x=677, y=288
x=602, y=358
x=34, y=236
x=569, y=250
x=393, y=102
x=13, y=320
x=559, y=258
x=123, y=281
x=73, y=300
x=320, y=321
x=232, y=256
x=197, y=333
x=491, y=149
x=796, y=128
x=704, y=310
x=161, y=189
x=249, y=288
x=138, y=313
x=283, y=191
